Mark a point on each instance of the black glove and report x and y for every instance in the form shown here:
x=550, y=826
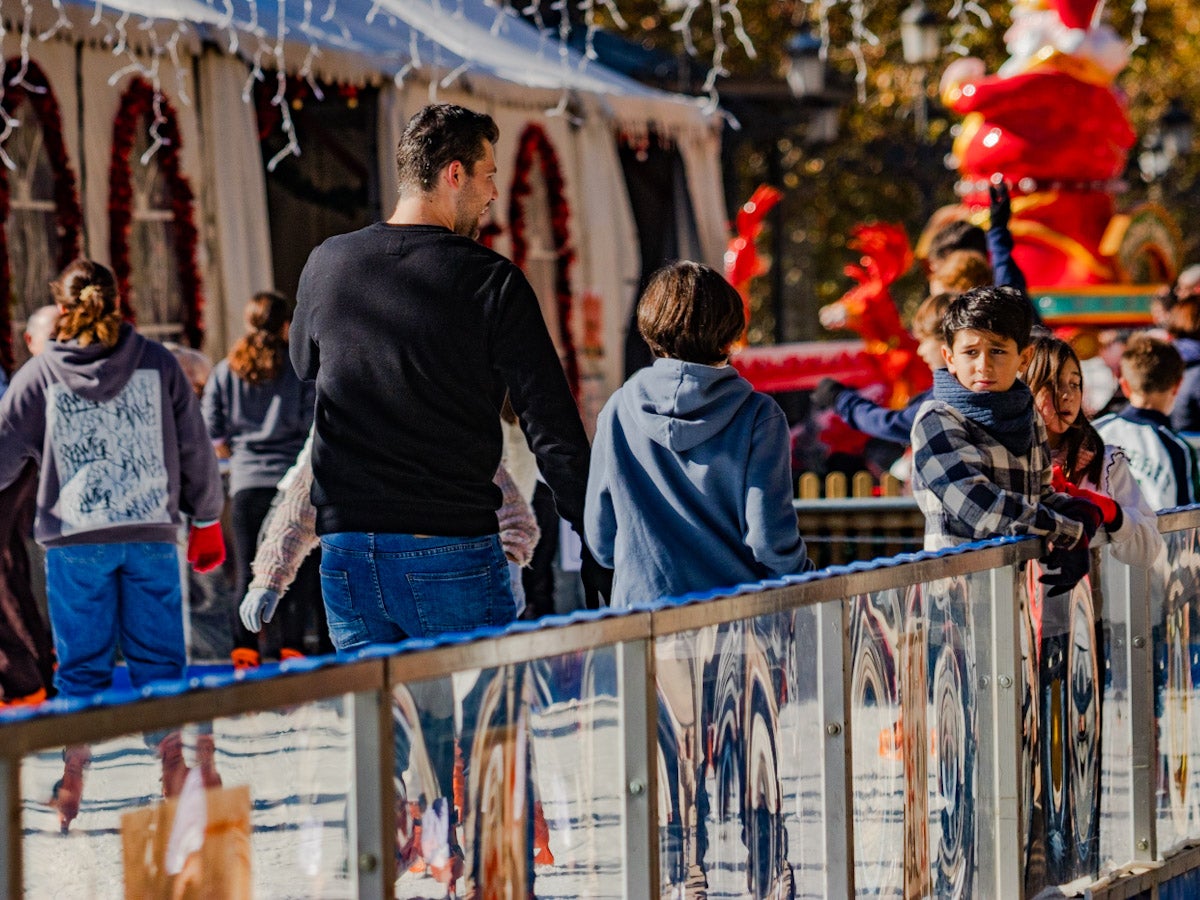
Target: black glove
x=597, y=580
x=1086, y=513
x=826, y=393
x=1000, y=207
x=1062, y=569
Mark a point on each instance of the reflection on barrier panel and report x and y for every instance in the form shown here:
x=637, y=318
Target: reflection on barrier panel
x=925, y=725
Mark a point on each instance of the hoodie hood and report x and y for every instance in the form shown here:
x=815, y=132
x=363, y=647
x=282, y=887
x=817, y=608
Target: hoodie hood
x=680, y=405
x=95, y=372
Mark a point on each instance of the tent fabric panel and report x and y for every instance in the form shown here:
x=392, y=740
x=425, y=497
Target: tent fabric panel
x=100, y=103
x=701, y=152
x=236, y=199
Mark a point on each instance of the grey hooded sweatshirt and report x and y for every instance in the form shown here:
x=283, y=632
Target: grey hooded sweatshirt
x=118, y=437
x=690, y=484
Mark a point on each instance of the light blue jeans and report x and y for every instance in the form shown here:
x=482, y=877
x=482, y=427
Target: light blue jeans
x=99, y=593
x=382, y=588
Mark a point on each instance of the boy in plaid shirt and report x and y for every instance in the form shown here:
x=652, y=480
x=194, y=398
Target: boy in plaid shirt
x=981, y=463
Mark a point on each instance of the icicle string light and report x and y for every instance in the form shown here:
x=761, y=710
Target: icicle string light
x=280, y=99
x=1136, y=38
x=60, y=23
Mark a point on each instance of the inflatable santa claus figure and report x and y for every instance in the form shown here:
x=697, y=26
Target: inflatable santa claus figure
x=1052, y=123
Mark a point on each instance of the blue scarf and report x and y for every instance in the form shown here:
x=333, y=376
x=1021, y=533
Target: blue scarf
x=1005, y=415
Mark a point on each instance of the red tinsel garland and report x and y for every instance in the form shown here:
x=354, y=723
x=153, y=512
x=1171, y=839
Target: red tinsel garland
x=137, y=105
x=534, y=142
x=68, y=213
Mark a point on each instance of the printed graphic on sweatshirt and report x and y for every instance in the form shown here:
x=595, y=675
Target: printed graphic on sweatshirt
x=111, y=469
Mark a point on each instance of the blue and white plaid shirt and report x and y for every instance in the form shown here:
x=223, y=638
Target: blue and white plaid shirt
x=971, y=487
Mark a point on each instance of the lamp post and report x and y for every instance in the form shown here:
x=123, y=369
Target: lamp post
x=919, y=39
x=806, y=67
x=1176, y=128
x=1170, y=138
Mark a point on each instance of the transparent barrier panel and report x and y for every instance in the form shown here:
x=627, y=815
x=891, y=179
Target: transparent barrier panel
x=1120, y=718
x=1175, y=617
x=740, y=738
x=915, y=739
x=512, y=778
x=1062, y=731
x=254, y=805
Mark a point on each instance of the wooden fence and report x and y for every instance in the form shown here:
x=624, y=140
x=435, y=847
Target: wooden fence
x=844, y=519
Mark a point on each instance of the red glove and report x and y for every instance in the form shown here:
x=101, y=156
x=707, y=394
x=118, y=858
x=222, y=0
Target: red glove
x=1058, y=481
x=206, y=547
x=1108, y=506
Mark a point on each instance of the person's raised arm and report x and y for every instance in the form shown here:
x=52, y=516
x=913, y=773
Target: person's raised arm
x=1005, y=271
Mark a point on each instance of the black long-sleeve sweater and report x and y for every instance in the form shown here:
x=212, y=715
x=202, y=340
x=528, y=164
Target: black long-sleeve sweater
x=412, y=334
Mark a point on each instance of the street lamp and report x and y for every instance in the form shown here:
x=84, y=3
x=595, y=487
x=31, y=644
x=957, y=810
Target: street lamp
x=919, y=34
x=919, y=39
x=1176, y=128
x=806, y=68
x=1170, y=138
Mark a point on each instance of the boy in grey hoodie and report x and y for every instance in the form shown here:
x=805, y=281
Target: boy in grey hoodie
x=690, y=483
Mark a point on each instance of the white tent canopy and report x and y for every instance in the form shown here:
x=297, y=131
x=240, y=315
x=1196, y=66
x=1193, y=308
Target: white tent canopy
x=202, y=55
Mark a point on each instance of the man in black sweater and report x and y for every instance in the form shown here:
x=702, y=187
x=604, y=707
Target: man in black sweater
x=414, y=331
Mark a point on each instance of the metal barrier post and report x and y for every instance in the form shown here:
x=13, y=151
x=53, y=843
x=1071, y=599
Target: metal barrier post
x=833, y=656
x=373, y=816
x=10, y=828
x=1000, y=745
x=639, y=726
x=1134, y=592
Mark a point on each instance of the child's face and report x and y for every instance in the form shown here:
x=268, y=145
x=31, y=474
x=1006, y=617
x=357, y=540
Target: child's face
x=930, y=350
x=1060, y=408
x=983, y=361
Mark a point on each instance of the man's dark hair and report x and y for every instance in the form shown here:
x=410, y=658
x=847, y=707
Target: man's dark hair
x=957, y=235
x=690, y=312
x=1003, y=311
x=435, y=137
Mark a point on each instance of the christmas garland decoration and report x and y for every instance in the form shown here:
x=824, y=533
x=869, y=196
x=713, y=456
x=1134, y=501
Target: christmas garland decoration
x=534, y=142
x=137, y=104
x=68, y=213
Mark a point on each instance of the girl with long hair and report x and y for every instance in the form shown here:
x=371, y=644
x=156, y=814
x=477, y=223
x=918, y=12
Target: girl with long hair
x=1083, y=464
x=258, y=414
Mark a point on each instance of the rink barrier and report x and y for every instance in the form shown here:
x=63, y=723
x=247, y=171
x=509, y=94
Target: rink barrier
x=373, y=676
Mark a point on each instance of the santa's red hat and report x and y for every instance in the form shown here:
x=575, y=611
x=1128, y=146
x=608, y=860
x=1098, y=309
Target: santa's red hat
x=1075, y=13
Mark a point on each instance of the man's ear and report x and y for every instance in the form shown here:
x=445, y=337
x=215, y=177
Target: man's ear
x=1026, y=356
x=947, y=354
x=454, y=173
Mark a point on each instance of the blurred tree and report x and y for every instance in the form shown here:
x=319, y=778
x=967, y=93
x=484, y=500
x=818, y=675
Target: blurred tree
x=877, y=168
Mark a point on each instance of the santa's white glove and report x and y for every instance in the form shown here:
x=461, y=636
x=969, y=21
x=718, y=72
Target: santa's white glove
x=258, y=607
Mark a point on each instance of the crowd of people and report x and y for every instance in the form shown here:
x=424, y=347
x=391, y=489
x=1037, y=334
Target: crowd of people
x=376, y=493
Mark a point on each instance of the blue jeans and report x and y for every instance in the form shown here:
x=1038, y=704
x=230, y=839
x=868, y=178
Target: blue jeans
x=99, y=592
x=382, y=588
